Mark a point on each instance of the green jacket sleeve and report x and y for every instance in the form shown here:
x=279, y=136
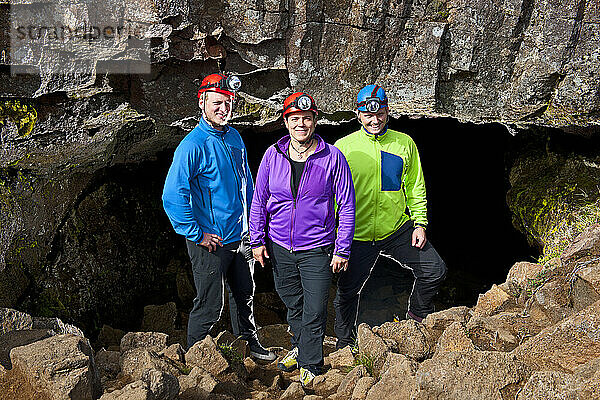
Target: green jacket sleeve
x=415, y=188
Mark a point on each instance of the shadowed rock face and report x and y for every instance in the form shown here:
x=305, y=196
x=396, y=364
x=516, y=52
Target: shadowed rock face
x=70, y=233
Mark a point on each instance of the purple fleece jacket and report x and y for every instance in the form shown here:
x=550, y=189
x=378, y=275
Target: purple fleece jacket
x=307, y=221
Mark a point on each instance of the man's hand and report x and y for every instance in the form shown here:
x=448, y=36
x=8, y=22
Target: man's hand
x=418, y=237
x=260, y=255
x=211, y=241
x=338, y=264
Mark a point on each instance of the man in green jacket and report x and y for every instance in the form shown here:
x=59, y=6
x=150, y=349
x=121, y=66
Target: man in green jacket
x=388, y=179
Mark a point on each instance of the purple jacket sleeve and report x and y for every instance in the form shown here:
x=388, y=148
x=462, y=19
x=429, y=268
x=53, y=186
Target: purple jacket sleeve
x=344, y=196
x=258, y=209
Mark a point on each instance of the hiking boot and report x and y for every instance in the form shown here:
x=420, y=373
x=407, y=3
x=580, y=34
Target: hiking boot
x=289, y=362
x=259, y=352
x=306, y=377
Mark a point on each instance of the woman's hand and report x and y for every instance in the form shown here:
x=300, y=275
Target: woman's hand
x=260, y=255
x=338, y=264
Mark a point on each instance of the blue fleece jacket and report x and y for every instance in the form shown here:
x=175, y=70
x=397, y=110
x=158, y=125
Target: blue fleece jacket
x=209, y=185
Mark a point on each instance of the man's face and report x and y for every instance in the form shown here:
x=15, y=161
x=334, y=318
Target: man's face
x=217, y=108
x=301, y=125
x=374, y=122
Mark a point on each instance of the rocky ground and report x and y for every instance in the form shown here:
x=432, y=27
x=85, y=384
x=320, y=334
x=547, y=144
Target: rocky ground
x=535, y=336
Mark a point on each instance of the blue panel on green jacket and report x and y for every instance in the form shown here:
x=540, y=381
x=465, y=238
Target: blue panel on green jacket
x=391, y=172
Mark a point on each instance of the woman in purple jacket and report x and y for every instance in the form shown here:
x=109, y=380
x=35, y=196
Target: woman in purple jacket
x=300, y=179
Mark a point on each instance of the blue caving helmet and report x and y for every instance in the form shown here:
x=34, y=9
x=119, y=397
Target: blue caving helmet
x=371, y=98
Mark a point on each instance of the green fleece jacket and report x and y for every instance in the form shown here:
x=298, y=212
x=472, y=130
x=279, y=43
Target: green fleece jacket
x=388, y=178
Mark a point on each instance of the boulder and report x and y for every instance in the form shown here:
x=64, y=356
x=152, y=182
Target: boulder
x=566, y=345
x=550, y=385
x=312, y=397
x=275, y=336
x=174, y=352
x=161, y=385
x=328, y=383
x=152, y=341
x=62, y=365
x=159, y=318
x=437, y=322
x=56, y=325
x=108, y=364
x=238, y=345
x=293, y=392
x=197, y=385
x=205, y=354
x=342, y=358
x=135, y=362
x=492, y=333
x=523, y=276
x=586, y=244
x=586, y=284
x=137, y=390
x=349, y=382
x=411, y=337
x=362, y=388
x=552, y=300
x=493, y=301
x=397, y=381
x=372, y=347
x=12, y=339
x=12, y=320
x=454, y=338
x=473, y=375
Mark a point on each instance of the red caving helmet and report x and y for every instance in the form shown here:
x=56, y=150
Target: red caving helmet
x=299, y=101
x=221, y=84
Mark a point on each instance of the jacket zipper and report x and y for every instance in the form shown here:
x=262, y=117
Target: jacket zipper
x=375, y=142
x=297, y=192
x=228, y=151
x=212, y=213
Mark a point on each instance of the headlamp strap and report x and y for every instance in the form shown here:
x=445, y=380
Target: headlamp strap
x=218, y=84
x=373, y=97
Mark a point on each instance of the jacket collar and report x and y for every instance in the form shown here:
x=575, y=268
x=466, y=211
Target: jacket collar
x=283, y=143
x=372, y=136
x=205, y=126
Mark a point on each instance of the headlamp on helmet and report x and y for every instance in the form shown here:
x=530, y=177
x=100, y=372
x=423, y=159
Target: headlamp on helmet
x=221, y=84
x=372, y=104
x=371, y=98
x=299, y=102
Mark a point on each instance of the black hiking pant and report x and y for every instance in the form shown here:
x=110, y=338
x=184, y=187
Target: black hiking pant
x=211, y=271
x=426, y=265
x=302, y=280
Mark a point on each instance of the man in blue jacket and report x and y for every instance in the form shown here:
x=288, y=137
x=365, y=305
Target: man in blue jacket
x=206, y=196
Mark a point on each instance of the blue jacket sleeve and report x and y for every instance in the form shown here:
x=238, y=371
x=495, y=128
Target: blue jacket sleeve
x=187, y=162
x=258, y=210
x=344, y=197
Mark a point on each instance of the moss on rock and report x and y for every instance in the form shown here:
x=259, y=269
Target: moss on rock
x=554, y=196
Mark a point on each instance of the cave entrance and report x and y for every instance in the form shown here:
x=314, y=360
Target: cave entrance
x=469, y=224
x=466, y=175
